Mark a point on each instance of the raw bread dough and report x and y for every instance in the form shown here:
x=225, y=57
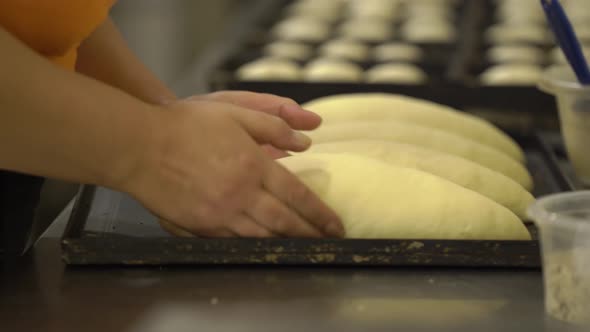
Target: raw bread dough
x=289, y=50
x=332, y=70
x=396, y=73
x=516, y=53
x=377, y=200
x=369, y=30
x=425, y=137
x=419, y=31
x=326, y=9
x=512, y=75
x=518, y=33
x=374, y=9
x=583, y=32
x=302, y=29
x=430, y=12
x=381, y=106
x=269, y=69
x=521, y=12
x=320, y=10
x=345, y=49
x=398, y=52
x=559, y=58
x=497, y=187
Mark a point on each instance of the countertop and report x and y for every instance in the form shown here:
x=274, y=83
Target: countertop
x=40, y=294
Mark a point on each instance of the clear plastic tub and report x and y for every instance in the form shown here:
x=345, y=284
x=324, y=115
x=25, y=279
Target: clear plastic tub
x=573, y=101
x=564, y=225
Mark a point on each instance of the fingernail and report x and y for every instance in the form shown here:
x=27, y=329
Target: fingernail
x=297, y=108
x=292, y=108
x=301, y=140
x=336, y=230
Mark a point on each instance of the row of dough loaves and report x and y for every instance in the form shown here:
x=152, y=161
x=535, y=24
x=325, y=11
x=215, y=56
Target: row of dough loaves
x=397, y=167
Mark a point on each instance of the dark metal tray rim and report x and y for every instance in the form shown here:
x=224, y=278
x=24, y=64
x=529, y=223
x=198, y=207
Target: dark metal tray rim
x=81, y=248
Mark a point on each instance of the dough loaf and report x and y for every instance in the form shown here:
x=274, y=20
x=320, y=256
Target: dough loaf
x=379, y=106
x=377, y=200
x=497, y=187
x=425, y=137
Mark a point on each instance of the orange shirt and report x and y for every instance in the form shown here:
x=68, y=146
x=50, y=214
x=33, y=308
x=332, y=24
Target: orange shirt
x=53, y=28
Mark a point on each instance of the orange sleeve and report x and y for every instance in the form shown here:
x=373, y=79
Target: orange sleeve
x=53, y=28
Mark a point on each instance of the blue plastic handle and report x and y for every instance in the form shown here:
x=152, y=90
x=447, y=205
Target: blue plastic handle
x=566, y=38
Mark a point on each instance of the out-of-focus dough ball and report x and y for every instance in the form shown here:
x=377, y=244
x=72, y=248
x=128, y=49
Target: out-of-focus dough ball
x=378, y=9
x=559, y=58
x=520, y=12
x=392, y=52
x=503, y=34
x=419, y=31
x=430, y=12
x=289, y=50
x=515, y=53
x=345, y=49
x=512, y=75
x=269, y=69
x=396, y=73
x=332, y=70
x=583, y=32
x=578, y=11
x=302, y=29
x=329, y=11
x=444, y=3
x=370, y=30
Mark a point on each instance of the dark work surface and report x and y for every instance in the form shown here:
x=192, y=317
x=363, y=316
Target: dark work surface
x=39, y=294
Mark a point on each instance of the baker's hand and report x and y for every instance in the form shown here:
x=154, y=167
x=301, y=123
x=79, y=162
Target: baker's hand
x=284, y=108
x=205, y=173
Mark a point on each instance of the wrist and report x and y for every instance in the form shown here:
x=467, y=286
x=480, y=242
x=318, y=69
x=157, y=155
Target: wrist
x=137, y=151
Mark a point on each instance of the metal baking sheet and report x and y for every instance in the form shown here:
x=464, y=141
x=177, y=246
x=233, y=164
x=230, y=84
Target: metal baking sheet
x=108, y=228
x=452, y=69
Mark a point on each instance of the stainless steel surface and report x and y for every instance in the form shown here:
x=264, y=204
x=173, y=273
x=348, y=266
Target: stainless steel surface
x=38, y=294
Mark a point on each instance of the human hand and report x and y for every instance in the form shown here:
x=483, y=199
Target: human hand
x=284, y=108
x=205, y=173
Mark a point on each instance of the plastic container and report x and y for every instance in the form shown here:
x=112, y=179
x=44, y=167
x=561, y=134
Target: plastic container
x=564, y=225
x=573, y=101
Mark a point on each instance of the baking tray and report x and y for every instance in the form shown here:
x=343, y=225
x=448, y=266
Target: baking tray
x=87, y=243
x=453, y=72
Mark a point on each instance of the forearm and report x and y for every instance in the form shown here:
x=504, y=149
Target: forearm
x=106, y=57
x=63, y=125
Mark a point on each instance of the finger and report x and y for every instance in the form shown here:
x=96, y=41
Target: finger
x=245, y=226
x=294, y=194
x=273, y=152
x=174, y=229
x=267, y=129
x=180, y=231
x=282, y=107
x=274, y=215
x=298, y=118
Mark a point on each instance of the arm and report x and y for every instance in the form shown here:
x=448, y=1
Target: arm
x=106, y=57
x=60, y=124
x=197, y=165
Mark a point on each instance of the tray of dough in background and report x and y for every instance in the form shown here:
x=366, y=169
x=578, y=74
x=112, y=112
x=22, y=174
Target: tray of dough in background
x=109, y=228
x=450, y=68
